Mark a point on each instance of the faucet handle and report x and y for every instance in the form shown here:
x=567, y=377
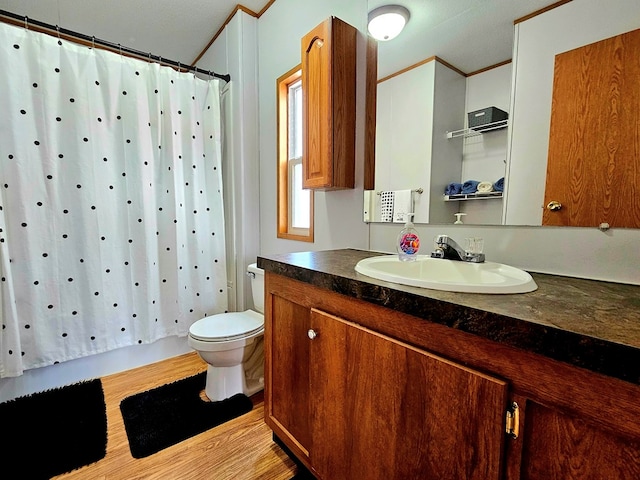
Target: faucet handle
x=474, y=245
x=439, y=242
x=474, y=257
x=473, y=250
x=441, y=239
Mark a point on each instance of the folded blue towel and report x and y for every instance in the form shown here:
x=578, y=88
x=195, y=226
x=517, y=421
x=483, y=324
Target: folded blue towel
x=453, y=188
x=499, y=185
x=470, y=186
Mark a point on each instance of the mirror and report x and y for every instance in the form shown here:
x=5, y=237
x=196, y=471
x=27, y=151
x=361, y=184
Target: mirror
x=466, y=38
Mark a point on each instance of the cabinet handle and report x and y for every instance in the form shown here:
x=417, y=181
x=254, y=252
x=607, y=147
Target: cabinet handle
x=312, y=333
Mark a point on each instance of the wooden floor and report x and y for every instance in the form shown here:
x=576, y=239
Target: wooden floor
x=241, y=449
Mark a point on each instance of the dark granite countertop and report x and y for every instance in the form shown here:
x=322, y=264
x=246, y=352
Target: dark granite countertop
x=586, y=323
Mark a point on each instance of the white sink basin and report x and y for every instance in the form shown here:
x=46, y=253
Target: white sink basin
x=448, y=275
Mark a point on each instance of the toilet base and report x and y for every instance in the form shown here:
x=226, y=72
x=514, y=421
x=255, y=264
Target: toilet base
x=225, y=382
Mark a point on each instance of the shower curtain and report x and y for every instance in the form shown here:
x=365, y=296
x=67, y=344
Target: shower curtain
x=111, y=215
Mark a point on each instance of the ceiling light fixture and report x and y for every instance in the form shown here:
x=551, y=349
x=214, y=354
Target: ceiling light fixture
x=388, y=21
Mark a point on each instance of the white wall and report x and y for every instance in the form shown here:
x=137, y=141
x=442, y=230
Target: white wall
x=338, y=214
x=414, y=111
x=412, y=150
x=485, y=155
x=404, y=134
x=235, y=52
x=446, y=154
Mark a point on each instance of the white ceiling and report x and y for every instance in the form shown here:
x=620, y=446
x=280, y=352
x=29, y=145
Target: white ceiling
x=469, y=34
x=174, y=29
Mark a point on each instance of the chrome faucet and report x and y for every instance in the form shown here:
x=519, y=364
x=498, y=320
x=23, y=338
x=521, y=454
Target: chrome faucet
x=446, y=247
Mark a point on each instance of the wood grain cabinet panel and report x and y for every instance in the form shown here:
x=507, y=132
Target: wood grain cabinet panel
x=287, y=373
x=557, y=445
x=329, y=106
x=384, y=410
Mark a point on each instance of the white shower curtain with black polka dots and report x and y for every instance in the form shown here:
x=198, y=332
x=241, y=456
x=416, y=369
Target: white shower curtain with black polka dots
x=111, y=215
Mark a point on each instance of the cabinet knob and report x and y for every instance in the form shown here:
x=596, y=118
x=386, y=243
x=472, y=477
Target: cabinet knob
x=554, y=206
x=312, y=333
x=317, y=41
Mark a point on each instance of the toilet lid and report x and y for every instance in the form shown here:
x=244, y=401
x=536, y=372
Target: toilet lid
x=227, y=326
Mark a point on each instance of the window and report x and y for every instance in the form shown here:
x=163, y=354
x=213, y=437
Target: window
x=295, y=205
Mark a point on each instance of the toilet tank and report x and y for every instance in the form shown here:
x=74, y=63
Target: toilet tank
x=257, y=286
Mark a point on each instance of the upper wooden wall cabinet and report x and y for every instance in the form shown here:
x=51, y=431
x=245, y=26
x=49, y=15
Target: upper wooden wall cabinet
x=329, y=105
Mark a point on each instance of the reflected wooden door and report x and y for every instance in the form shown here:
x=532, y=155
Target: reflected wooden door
x=593, y=167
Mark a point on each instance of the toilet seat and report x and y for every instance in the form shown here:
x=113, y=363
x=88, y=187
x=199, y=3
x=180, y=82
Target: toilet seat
x=227, y=326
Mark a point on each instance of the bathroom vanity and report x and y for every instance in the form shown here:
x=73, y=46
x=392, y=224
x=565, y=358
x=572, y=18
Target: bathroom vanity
x=368, y=379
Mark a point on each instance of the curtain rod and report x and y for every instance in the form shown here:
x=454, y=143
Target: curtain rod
x=21, y=19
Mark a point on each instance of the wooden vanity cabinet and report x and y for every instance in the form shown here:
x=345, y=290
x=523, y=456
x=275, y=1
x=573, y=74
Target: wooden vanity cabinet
x=378, y=394
x=352, y=403
x=329, y=106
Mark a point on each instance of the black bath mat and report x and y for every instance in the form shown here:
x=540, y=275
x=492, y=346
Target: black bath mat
x=169, y=414
x=53, y=432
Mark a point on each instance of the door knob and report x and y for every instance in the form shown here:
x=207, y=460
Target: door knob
x=312, y=333
x=554, y=206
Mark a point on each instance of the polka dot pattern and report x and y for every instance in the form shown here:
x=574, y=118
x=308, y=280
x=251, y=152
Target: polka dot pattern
x=111, y=222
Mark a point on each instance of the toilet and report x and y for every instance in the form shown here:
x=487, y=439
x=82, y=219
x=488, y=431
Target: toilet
x=232, y=346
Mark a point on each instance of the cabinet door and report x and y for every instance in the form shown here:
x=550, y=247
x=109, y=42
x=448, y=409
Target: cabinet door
x=385, y=410
x=328, y=98
x=556, y=445
x=287, y=373
x=594, y=157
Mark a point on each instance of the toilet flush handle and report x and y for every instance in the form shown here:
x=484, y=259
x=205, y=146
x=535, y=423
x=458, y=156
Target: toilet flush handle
x=312, y=333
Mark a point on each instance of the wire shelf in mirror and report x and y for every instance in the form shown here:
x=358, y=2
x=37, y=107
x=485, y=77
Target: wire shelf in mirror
x=472, y=196
x=472, y=132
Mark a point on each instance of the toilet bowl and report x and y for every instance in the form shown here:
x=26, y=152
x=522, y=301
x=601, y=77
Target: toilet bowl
x=232, y=346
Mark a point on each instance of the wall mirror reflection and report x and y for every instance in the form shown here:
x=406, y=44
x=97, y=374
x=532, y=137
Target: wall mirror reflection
x=457, y=57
